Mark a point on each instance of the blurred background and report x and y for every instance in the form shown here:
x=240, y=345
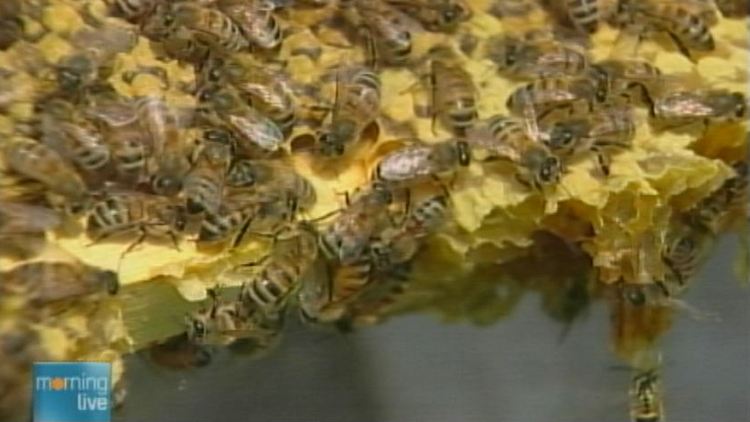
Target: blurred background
x=414, y=368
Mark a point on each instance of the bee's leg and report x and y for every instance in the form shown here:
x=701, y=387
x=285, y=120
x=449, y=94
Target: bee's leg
x=261, y=261
x=243, y=231
x=523, y=180
x=141, y=238
x=602, y=159
x=680, y=46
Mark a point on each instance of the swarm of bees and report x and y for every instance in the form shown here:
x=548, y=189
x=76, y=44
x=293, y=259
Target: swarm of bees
x=222, y=168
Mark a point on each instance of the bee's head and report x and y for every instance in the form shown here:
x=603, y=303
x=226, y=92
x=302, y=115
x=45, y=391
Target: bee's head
x=464, y=153
x=550, y=171
x=166, y=184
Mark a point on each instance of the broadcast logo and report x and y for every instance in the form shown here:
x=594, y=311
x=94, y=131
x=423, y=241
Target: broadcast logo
x=72, y=392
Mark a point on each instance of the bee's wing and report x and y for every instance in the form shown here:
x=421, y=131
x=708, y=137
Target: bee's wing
x=114, y=113
x=22, y=218
x=106, y=41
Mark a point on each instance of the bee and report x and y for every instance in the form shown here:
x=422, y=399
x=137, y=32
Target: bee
x=220, y=225
x=256, y=19
x=513, y=8
x=179, y=352
x=682, y=253
x=133, y=10
x=732, y=194
x=39, y=162
x=126, y=212
x=293, y=254
x=546, y=95
x=222, y=323
x=436, y=15
x=584, y=14
x=414, y=163
x=686, y=26
x=22, y=228
x=356, y=106
x=204, y=183
x=231, y=323
x=386, y=30
x=162, y=123
x=95, y=50
x=452, y=91
x=646, y=402
x=11, y=24
x=347, y=237
x=256, y=132
x=209, y=26
x=600, y=131
x=42, y=283
x=268, y=176
x=509, y=139
x=74, y=138
x=617, y=79
x=399, y=244
x=524, y=59
x=710, y=106
x=733, y=8
x=261, y=87
x=426, y=217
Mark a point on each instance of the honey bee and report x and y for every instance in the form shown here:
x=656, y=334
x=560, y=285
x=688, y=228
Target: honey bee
x=120, y=213
x=414, y=163
x=426, y=217
x=256, y=19
x=261, y=87
x=682, y=253
x=95, y=49
x=646, y=402
x=386, y=29
x=11, y=24
x=733, y=8
x=547, y=95
x=220, y=225
x=256, y=132
x=43, y=283
x=453, y=92
x=601, y=131
x=347, y=237
x=617, y=79
x=732, y=194
x=267, y=176
x=680, y=108
x=179, y=352
x=686, y=24
x=22, y=228
x=129, y=143
x=513, y=8
x=204, y=183
x=356, y=106
x=585, y=15
x=208, y=26
x=231, y=323
x=524, y=59
x=133, y=10
x=509, y=139
x=436, y=15
x=74, y=138
x=293, y=254
x=397, y=245
x=161, y=123
x=39, y=162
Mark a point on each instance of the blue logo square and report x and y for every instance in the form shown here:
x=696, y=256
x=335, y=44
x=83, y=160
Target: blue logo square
x=72, y=392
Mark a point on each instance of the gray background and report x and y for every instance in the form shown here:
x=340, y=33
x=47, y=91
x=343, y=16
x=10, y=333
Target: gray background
x=416, y=369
